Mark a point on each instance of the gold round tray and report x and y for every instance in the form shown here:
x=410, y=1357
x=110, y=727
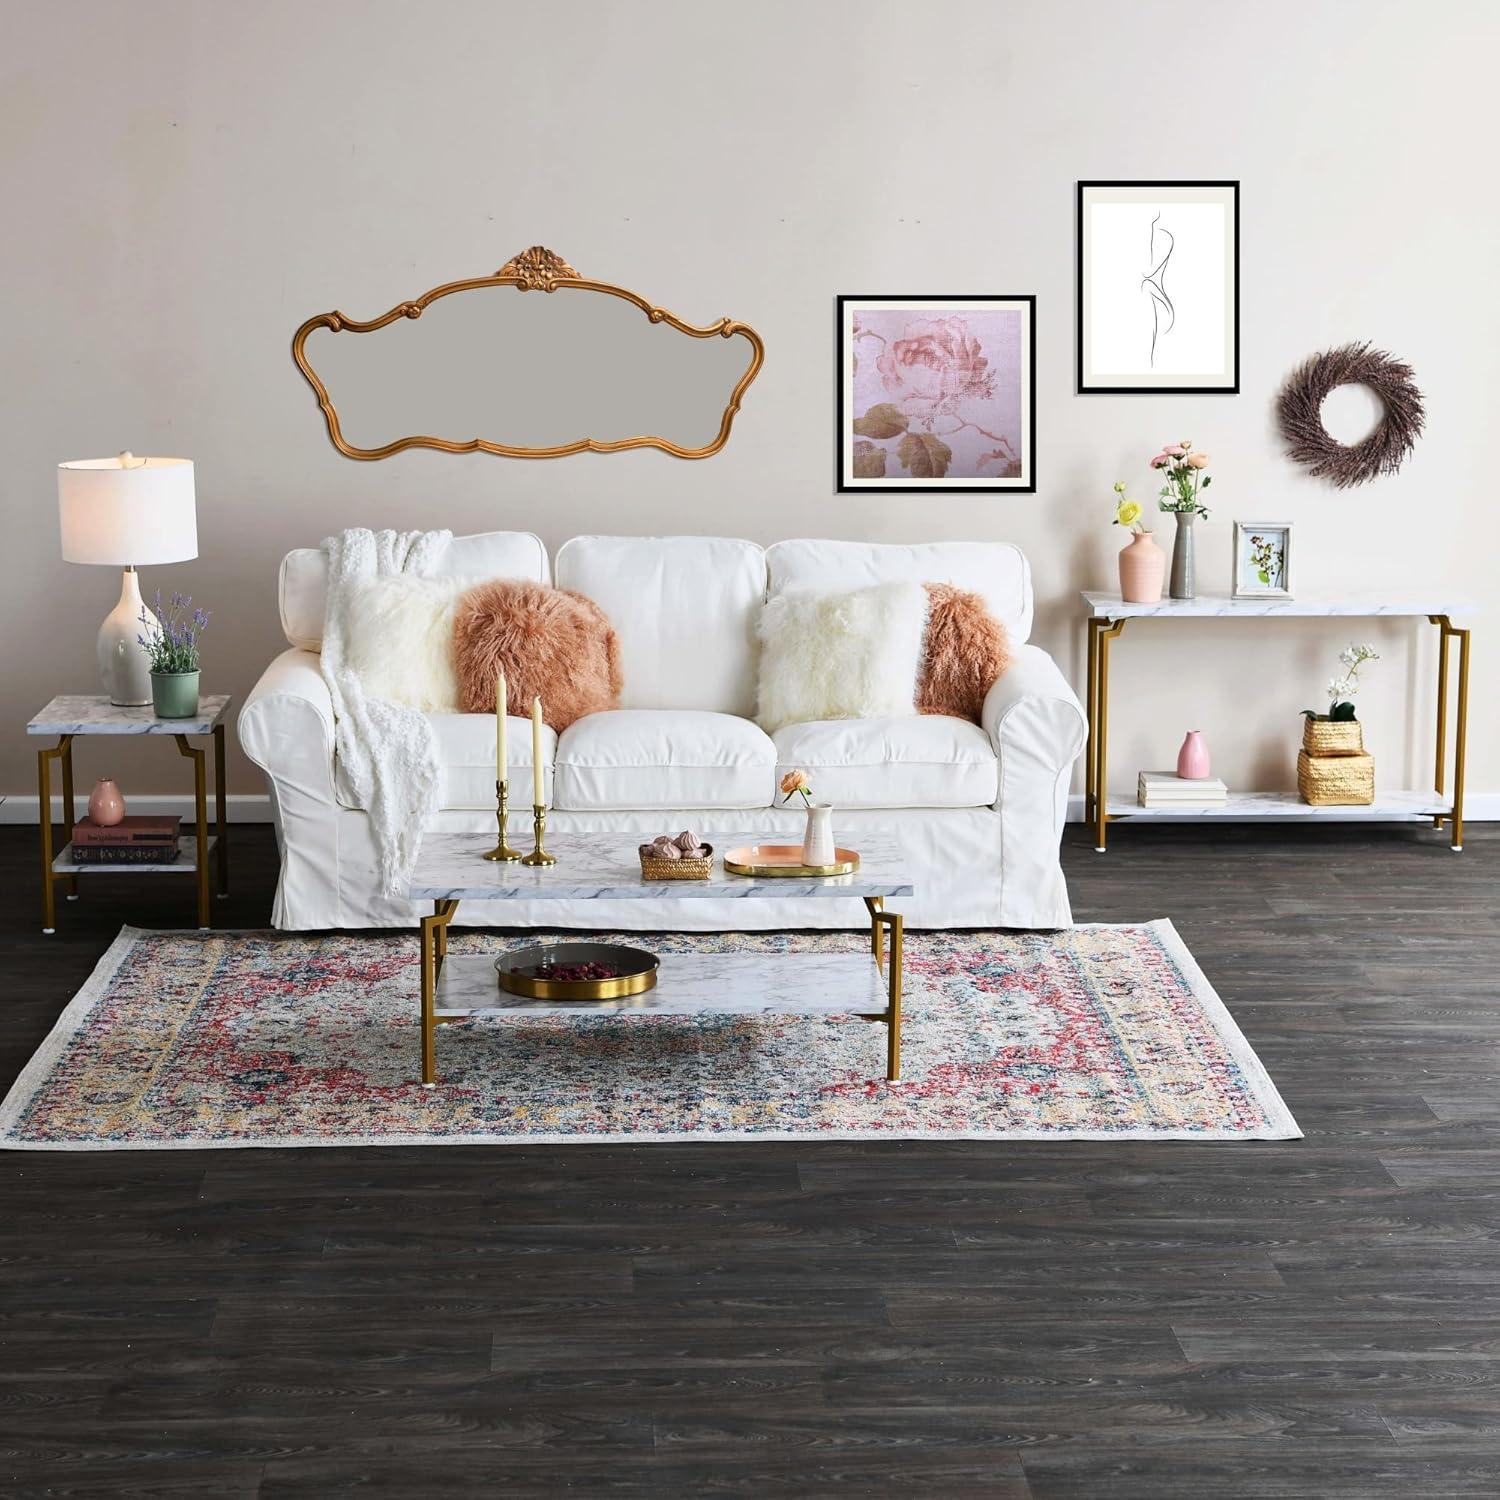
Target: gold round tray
x=777, y=860
x=517, y=971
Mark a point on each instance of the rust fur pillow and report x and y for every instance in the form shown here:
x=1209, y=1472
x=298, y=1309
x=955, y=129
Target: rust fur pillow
x=551, y=643
x=967, y=651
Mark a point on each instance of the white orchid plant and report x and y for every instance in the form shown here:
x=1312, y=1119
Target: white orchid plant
x=1343, y=687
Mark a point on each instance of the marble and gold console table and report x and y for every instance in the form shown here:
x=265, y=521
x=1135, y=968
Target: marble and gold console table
x=1107, y=615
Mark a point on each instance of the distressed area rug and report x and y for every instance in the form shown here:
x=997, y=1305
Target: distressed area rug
x=186, y=1040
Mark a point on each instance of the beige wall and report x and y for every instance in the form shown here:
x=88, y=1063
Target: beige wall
x=182, y=183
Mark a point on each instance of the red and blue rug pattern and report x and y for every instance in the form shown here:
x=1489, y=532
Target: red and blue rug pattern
x=184, y=1040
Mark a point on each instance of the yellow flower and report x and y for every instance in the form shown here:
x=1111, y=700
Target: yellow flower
x=1128, y=513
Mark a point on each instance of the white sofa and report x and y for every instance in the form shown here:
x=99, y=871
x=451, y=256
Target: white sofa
x=979, y=807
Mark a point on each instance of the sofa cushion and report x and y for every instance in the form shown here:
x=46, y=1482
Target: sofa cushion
x=667, y=758
x=398, y=634
x=997, y=571
x=927, y=761
x=685, y=610
x=303, y=585
x=466, y=752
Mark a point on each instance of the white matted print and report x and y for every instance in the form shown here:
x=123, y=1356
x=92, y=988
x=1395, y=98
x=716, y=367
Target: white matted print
x=1262, y=560
x=935, y=393
x=1158, y=287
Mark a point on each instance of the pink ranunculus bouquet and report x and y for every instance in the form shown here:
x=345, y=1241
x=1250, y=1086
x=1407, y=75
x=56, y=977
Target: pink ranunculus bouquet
x=1182, y=470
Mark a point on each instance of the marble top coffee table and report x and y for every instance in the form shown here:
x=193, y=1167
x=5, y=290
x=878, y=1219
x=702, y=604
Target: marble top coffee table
x=606, y=867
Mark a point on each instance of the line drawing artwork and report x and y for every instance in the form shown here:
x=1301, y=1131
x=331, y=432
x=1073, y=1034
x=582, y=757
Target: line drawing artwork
x=1156, y=280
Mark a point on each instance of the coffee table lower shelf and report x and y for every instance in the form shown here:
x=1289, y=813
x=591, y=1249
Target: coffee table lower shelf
x=862, y=986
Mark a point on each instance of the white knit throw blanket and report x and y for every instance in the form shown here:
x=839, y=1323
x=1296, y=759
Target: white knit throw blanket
x=388, y=751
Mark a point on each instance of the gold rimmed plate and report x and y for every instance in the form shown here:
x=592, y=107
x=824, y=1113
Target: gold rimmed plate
x=785, y=860
x=533, y=972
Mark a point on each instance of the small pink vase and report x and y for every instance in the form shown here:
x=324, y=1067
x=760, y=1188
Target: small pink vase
x=106, y=805
x=1143, y=566
x=1192, y=759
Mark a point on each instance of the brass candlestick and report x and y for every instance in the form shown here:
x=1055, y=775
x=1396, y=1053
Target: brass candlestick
x=539, y=855
x=502, y=852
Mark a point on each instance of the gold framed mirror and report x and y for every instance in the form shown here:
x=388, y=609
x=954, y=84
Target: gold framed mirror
x=585, y=367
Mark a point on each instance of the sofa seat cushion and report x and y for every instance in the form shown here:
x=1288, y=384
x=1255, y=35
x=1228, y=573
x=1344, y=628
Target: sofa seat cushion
x=927, y=761
x=668, y=758
x=466, y=753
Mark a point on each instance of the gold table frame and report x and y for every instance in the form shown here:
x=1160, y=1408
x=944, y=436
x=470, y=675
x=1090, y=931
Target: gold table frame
x=63, y=753
x=435, y=950
x=1103, y=630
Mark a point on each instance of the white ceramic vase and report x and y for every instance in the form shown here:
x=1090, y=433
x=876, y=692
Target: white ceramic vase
x=817, y=839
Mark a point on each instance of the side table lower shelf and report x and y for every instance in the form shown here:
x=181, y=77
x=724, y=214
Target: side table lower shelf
x=186, y=863
x=1288, y=807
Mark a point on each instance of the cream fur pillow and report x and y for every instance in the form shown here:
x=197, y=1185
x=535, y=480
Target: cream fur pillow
x=399, y=632
x=851, y=655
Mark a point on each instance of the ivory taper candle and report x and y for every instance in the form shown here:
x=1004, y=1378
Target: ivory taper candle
x=537, y=799
x=502, y=707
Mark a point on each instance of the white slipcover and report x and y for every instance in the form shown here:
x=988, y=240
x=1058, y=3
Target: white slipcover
x=667, y=758
x=686, y=608
x=929, y=760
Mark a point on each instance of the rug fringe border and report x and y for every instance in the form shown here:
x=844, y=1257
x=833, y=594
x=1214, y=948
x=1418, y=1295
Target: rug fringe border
x=1280, y=1125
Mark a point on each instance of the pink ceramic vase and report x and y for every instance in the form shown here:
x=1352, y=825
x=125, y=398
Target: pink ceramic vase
x=106, y=805
x=1192, y=759
x=1143, y=566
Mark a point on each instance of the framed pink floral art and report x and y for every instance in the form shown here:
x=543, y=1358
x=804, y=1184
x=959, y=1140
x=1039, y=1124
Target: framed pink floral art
x=936, y=393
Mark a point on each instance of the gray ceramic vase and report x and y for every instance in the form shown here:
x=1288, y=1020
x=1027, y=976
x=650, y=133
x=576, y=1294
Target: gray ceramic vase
x=1183, y=584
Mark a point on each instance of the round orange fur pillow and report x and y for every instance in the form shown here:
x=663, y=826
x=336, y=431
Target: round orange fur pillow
x=967, y=652
x=550, y=643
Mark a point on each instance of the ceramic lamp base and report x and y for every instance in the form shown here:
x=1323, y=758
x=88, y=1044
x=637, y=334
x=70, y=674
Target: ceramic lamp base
x=124, y=667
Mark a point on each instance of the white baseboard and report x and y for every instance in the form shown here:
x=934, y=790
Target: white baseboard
x=1479, y=807
x=244, y=807
x=255, y=807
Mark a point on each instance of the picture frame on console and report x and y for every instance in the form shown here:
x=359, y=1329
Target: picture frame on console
x=1262, y=560
x=1158, y=288
x=936, y=394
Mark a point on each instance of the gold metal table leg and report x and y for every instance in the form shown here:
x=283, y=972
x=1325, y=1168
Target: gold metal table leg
x=434, y=950
x=1447, y=631
x=199, y=759
x=69, y=808
x=1440, y=752
x=880, y=919
x=1460, y=739
x=221, y=808
x=44, y=758
x=1090, y=710
x=1109, y=631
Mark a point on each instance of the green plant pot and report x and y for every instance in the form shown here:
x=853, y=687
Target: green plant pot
x=174, y=695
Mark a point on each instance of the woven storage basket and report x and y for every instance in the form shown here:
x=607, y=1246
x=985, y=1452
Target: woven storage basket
x=679, y=869
x=1336, y=780
x=1332, y=737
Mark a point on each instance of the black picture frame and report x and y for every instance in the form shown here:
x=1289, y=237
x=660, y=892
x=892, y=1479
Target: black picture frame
x=842, y=419
x=1087, y=388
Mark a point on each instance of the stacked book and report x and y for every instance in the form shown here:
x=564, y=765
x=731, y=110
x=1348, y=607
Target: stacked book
x=131, y=841
x=1168, y=789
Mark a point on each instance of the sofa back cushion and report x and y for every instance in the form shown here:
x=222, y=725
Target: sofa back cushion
x=491, y=554
x=685, y=609
x=996, y=571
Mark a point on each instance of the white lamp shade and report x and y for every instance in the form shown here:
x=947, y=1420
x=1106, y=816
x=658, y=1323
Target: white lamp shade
x=127, y=512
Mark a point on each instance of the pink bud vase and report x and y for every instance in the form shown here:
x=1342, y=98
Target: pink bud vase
x=1192, y=759
x=106, y=805
x=1143, y=566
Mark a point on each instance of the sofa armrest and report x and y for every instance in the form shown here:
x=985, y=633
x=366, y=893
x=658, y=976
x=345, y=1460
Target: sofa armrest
x=286, y=726
x=1038, y=729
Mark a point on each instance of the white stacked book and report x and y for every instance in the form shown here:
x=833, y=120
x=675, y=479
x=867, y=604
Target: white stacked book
x=1168, y=789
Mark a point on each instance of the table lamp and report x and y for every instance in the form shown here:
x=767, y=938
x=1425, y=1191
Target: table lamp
x=124, y=512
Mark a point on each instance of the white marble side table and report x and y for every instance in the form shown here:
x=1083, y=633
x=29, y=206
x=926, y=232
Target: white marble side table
x=72, y=715
x=1107, y=614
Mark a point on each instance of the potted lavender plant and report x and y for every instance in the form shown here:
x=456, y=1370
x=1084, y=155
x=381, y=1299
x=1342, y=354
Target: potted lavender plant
x=170, y=636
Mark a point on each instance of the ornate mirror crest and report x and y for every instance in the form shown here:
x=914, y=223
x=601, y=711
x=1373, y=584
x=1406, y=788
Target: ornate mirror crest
x=492, y=363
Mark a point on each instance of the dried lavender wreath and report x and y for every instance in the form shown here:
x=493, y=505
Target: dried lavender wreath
x=1386, y=449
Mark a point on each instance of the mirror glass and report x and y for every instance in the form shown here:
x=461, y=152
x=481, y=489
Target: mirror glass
x=530, y=369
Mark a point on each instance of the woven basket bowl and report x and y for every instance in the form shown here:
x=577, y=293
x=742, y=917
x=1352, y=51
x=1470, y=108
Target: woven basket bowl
x=1336, y=780
x=679, y=869
x=1332, y=737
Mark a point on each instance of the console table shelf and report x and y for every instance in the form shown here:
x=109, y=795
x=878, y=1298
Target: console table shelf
x=1107, y=615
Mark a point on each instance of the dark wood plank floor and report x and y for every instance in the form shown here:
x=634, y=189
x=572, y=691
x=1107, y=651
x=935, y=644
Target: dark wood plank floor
x=1317, y=1318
